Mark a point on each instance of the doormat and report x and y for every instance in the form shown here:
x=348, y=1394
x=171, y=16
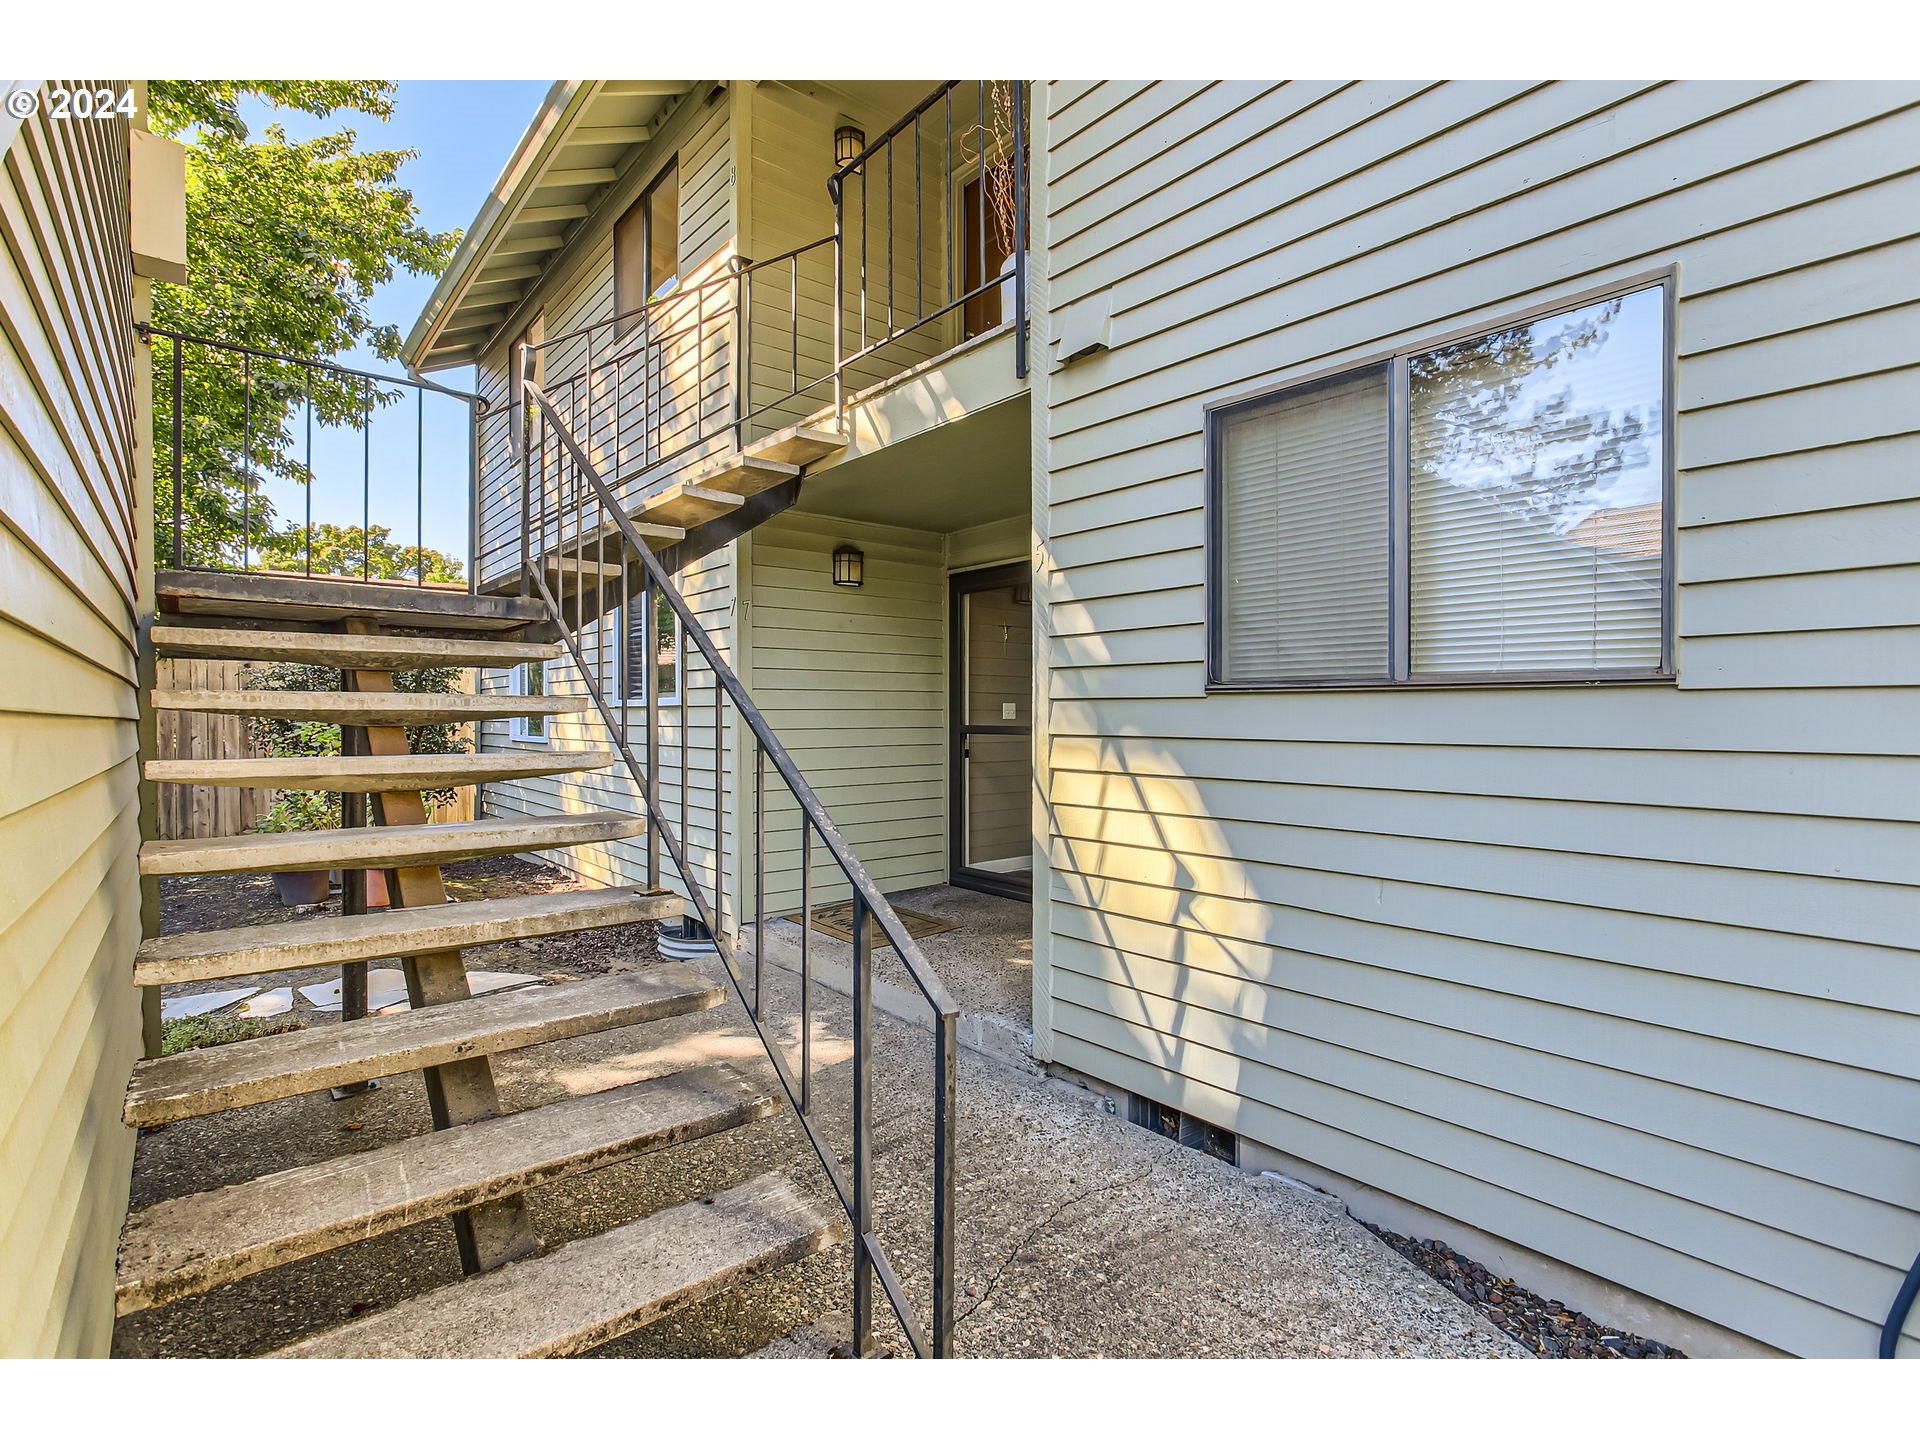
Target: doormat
x=837, y=921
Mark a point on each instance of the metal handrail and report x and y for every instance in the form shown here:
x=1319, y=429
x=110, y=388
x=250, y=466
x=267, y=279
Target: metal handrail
x=368, y=381
x=856, y=1197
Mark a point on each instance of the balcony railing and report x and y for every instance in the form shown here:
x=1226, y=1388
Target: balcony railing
x=365, y=458
x=928, y=250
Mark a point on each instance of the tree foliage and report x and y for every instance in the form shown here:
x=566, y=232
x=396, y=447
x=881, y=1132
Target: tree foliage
x=286, y=242
x=350, y=550
x=271, y=735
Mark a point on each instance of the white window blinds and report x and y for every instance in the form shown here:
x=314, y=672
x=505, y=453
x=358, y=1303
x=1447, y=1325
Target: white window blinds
x=1536, y=494
x=1304, y=528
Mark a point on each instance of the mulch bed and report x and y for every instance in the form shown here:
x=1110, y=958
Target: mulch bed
x=1546, y=1327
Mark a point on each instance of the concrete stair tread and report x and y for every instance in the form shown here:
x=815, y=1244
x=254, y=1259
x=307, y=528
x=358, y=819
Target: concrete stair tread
x=383, y=847
x=370, y=707
x=685, y=504
x=389, y=934
x=742, y=475
x=304, y=599
x=797, y=445
x=191, y=1244
x=596, y=1289
x=250, y=1072
x=351, y=652
x=368, y=774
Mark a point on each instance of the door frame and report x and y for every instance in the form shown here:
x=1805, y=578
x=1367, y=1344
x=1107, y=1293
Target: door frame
x=1017, y=886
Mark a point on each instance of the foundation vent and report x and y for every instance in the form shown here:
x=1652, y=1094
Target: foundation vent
x=1184, y=1129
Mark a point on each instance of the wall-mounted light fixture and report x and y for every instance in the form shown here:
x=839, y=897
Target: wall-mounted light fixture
x=848, y=141
x=849, y=566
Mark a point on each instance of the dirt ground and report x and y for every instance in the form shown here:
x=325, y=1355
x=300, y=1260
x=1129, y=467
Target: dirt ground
x=1078, y=1234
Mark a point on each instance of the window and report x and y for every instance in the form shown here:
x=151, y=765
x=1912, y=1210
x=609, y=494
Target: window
x=1494, y=507
x=666, y=658
x=529, y=679
x=533, y=337
x=646, y=246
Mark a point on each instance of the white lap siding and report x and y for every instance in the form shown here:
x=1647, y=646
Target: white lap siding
x=1625, y=975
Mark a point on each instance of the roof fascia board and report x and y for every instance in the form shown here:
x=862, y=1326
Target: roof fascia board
x=550, y=123
x=638, y=171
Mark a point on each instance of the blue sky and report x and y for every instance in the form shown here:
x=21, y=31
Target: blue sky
x=463, y=132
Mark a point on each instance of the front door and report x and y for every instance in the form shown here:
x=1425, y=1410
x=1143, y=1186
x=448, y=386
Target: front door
x=991, y=690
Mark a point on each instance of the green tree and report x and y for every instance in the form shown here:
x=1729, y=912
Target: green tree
x=350, y=550
x=286, y=242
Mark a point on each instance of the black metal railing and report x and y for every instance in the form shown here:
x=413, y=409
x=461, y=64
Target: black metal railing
x=978, y=161
x=758, y=344
x=652, y=389
x=228, y=419
x=601, y=565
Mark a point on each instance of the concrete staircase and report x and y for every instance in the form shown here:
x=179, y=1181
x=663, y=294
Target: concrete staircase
x=477, y=1162
x=691, y=514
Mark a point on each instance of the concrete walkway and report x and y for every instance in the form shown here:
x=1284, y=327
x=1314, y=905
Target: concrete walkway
x=1079, y=1234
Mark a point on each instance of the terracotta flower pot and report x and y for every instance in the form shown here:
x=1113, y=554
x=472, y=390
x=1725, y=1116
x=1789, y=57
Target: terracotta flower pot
x=301, y=887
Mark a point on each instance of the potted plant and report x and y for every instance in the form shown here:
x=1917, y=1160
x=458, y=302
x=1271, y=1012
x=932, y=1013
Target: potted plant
x=320, y=810
x=299, y=810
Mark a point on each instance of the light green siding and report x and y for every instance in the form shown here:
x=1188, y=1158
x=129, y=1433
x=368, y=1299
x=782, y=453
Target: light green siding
x=70, y=583
x=853, y=683
x=1625, y=975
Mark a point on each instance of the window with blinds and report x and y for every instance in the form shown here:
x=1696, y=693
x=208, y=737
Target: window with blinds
x=1303, y=537
x=1524, y=471
x=665, y=669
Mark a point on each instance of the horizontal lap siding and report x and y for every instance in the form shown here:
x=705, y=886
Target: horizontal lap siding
x=697, y=380
x=708, y=587
x=853, y=683
x=69, y=795
x=1624, y=975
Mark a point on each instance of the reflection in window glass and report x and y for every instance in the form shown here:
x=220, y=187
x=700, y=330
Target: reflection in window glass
x=1536, y=494
x=666, y=659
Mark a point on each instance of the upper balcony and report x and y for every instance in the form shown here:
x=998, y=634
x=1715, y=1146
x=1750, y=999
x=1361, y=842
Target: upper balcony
x=856, y=303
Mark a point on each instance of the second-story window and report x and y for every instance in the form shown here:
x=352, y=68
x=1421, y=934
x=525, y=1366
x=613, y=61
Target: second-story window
x=646, y=246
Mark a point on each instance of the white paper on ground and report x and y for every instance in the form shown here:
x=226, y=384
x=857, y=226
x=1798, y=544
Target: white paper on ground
x=172, y=1007
x=268, y=1002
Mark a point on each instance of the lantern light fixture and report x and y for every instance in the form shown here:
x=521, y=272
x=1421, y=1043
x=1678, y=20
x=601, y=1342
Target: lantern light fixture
x=849, y=566
x=848, y=141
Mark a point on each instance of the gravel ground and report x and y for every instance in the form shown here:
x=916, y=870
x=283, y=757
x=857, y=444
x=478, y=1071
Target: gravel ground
x=1078, y=1234
x=1546, y=1327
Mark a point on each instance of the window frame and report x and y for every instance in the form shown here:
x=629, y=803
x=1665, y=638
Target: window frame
x=627, y=316
x=622, y=669
x=1399, y=673
x=517, y=730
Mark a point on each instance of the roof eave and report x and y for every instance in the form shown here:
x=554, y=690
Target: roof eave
x=549, y=124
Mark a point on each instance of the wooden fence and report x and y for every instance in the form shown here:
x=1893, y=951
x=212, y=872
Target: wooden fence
x=195, y=812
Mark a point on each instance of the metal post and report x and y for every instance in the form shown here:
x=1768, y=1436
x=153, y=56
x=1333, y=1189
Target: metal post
x=759, y=871
x=420, y=487
x=519, y=439
x=179, y=469
x=943, y=1177
x=806, y=962
x=862, y=1129
x=742, y=351
x=307, y=533
x=650, y=668
x=839, y=305
x=1019, y=162
x=246, y=461
x=476, y=419
x=366, y=484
